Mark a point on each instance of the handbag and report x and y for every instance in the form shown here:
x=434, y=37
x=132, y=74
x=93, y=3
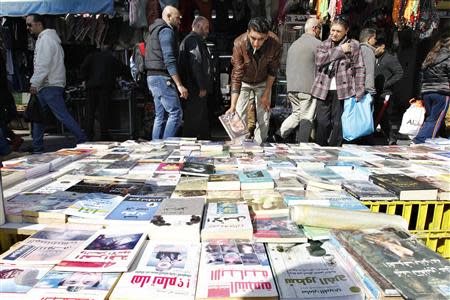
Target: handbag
x=34, y=111
x=357, y=118
x=413, y=118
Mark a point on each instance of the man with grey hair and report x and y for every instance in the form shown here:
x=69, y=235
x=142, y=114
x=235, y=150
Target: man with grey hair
x=368, y=40
x=300, y=70
x=195, y=71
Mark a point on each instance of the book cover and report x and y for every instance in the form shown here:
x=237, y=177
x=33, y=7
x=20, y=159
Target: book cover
x=74, y=285
x=168, y=168
x=289, y=183
x=405, y=187
x=191, y=183
x=164, y=179
x=223, y=182
x=166, y=270
x=15, y=206
x=199, y=160
x=94, y=205
x=46, y=247
x=265, y=203
x=52, y=206
x=413, y=269
x=234, y=126
x=227, y=220
x=197, y=169
x=178, y=218
x=257, y=179
x=235, y=269
x=135, y=210
x=105, y=251
x=61, y=184
x=277, y=230
x=17, y=281
x=367, y=191
x=302, y=272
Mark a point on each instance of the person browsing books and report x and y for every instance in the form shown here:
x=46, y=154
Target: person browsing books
x=255, y=60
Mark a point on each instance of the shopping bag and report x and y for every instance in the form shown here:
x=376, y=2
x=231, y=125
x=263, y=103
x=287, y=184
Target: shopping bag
x=34, y=111
x=413, y=118
x=357, y=118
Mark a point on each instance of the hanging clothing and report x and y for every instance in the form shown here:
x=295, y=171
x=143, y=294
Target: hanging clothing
x=138, y=18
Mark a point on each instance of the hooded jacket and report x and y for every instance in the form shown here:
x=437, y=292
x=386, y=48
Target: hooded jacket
x=49, y=69
x=436, y=76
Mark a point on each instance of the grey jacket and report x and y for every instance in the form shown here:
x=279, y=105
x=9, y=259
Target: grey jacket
x=368, y=54
x=300, y=65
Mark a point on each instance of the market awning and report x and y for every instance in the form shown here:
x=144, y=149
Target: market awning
x=55, y=7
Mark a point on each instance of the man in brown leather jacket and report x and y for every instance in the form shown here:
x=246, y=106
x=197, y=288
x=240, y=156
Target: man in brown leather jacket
x=256, y=59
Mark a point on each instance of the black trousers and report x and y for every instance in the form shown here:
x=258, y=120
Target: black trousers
x=328, y=118
x=98, y=99
x=195, y=116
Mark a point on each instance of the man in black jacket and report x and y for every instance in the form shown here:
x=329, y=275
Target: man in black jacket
x=196, y=74
x=388, y=72
x=99, y=70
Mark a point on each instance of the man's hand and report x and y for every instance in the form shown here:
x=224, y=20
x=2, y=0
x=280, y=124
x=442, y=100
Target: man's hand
x=231, y=110
x=202, y=93
x=265, y=102
x=346, y=47
x=379, y=50
x=183, y=91
x=33, y=90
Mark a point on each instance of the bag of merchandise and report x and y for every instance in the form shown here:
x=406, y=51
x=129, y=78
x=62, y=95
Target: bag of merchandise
x=413, y=118
x=357, y=118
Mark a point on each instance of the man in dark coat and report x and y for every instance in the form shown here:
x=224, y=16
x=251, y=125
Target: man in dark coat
x=388, y=72
x=100, y=70
x=196, y=75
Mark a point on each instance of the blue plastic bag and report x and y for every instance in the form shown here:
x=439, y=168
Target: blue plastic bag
x=357, y=118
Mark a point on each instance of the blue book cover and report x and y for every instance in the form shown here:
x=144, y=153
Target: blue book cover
x=255, y=176
x=136, y=208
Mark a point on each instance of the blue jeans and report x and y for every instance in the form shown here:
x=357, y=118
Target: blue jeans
x=436, y=106
x=52, y=98
x=165, y=96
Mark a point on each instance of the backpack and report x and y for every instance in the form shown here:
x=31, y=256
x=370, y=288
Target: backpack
x=139, y=61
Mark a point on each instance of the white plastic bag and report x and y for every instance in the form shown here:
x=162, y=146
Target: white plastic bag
x=413, y=118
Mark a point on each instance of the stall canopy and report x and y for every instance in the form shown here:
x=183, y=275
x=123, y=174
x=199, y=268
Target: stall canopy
x=55, y=7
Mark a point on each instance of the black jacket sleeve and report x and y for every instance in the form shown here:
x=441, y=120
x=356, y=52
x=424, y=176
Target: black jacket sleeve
x=396, y=71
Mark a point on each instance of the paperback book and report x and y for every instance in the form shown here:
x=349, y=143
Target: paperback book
x=405, y=187
x=17, y=281
x=234, y=269
x=105, y=251
x=94, y=205
x=256, y=180
x=166, y=270
x=277, y=230
x=46, y=247
x=234, y=126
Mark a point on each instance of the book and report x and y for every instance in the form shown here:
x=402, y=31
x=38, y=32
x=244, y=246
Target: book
x=177, y=219
x=166, y=270
x=11, y=177
x=197, y=169
x=106, y=251
x=413, y=269
x=14, y=206
x=227, y=220
x=289, y=183
x=233, y=269
x=405, y=187
x=164, y=179
x=46, y=247
x=367, y=191
x=94, y=205
x=168, y=168
x=234, y=126
x=265, y=203
x=316, y=233
x=74, y=285
x=134, y=210
x=441, y=183
x=324, y=178
x=223, y=182
x=255, y=180
x=192, y=183
x=311, y=271
x=17, y=281
x=61, y=184
x=199, y=160
x=277, y=230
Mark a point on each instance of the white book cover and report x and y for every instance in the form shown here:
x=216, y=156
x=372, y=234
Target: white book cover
x=73, y=285
x=47, y=247
x=178, y=218
x=167, y=270
x=311, y=271
x=94, y=205
x=227, y=220
x=16, y=281
x=105, y=251
x=61, y=184
x=235, y=269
